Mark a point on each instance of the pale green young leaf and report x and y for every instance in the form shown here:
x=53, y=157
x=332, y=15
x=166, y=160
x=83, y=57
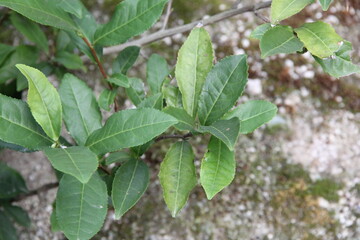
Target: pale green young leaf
x=177, y=176
x=217, y=168
x=253, y=114
x=136, y=91
x=30, y=30
x=195, y=59
x=282, y=9
x=107, y=98
x=118, y=157
x=155, y=101
x=129, y=128
x=259, y=31
x=44, y=13
x=223, y=86
x=7, y=230
x=225, y=130
x=44, y=101
x=69, y=60
x=81, y=208
x=325, y=4
x=18, y=126
x=130, y=183
x=319, y=38
x=126, y=59
x=11, y=182
x=77, y=161
x=186, y=122
x=71, y=6
x=18, y=214
x=172, y=96
x=131, y=18
x=119, y=80
x=156, y=71
x=82, y=115
x=280, y=39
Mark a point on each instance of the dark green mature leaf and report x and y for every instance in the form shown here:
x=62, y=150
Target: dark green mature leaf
x=71, y=6
x=177, y=176
x=282, y=9
x=259, y=31
x=107, y=98
x=193, y=64
x=223, y=86
x=87, y=26
x=69, y=60
x=140, y=150
x=44, y=101
x=131, y=18
x=82, y=115
x=13, y=147
x=126, y=59
x=340, y=64
x=81, y=208
x=17, y=125
x=253, y=114
x=319, y=38
x=155, y=101
x=186, y=122
x=119, y=80
x=217, y=168
x=225, y=130
x=5, y=50
x=18, y=214
x=136, y=91
x=325, y=4
x=11, y=182
x=77, y=161
x=118, y=157
x=130, y=183
x=129, y=128
x=7, y=230
x=30, y=30
x=280, y=39
x=44, y=13
x=156, y=71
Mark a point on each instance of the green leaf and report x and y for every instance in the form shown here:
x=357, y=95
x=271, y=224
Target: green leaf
x=282, y=9
x=118, y=157
x=55, y=227
x=340, y=64
x=223, y=86
x=17, y=125
x=177, y=176
x=77, y=161
x=136, y=91
x=11, y=182
x=253, y=114
x=172, y=96
x=107, y=97
x=5, y=51
x=138, y=151
x=71, y=6
x=126, y=59
x=81, y=208
x=325, y=4
x=225, y=130
x=155, y=101
x=7, y=230
x=259, y=31
x=30, y=30
x=186, y=122
x=18, y=214
x=280, y=39
x=82, y=115
x=119, y=80
x=217, y=168
x=130, y=183
x=14, y=147
x=131, y=18
x=156, y=71
x=129, y=128
x=44, y=101
x=44, y=13
x=193, y=64
x=319, y=38
x=69, y=60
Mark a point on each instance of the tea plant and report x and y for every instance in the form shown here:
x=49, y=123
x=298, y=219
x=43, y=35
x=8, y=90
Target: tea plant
x=196, y=98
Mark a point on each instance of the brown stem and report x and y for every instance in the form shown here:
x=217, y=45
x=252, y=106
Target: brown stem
x=184, y=137
x=37, y=191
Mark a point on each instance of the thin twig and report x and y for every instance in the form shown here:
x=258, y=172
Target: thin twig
x=167, y=15
x=37, y=191
x=164, y=137
x=263, y=18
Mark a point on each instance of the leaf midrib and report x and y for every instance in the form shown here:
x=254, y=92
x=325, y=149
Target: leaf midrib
x=178, y=179
x=317, y=37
